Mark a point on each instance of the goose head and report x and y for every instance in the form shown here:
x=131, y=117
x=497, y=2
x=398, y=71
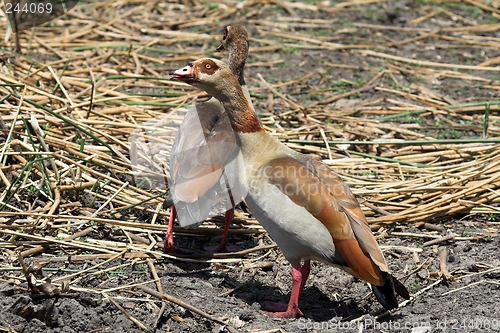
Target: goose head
x=235, y=41
x=234, y=38
x=211, y=75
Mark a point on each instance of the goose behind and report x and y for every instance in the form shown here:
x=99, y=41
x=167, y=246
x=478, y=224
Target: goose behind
x=304, y=206
x=204, y=156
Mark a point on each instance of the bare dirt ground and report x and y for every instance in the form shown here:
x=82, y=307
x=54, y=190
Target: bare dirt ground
x=418, y=71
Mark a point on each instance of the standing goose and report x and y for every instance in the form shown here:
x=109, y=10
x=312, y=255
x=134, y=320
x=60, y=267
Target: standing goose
x=202, y=162
x=305, y=207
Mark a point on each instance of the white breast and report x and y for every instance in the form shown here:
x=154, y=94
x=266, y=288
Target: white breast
x=298, y=234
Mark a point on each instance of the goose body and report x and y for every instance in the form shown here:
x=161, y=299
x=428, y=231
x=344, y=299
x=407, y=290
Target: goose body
x=303, y=205
x=263, y=198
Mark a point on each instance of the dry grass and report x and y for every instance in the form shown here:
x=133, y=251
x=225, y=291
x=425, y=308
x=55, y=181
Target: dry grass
x=71, y=98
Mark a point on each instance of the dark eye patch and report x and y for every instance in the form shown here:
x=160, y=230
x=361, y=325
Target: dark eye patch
x=209, y=67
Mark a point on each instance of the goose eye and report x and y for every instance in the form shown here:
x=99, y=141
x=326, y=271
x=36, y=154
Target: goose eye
x=208, y=66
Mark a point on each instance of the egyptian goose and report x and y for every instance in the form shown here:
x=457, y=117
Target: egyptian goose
x=203, y=156
x=304, y=206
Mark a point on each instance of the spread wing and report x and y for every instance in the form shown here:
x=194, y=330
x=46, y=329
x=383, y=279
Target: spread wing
x=203, y=145
x=308, y=182
x=201, y=163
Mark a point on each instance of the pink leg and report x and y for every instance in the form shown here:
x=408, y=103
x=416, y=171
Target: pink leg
x=168, y=242
x=223, y=248
x=299, y=278
x=306, y=269
x=228, y=219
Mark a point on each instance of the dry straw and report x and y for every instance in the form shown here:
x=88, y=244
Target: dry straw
x=70, y=100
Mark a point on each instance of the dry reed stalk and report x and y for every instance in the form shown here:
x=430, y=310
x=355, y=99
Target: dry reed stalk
x=70, y=101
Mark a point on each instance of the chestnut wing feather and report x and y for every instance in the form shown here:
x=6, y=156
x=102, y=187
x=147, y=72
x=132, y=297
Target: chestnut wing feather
x=308, y=182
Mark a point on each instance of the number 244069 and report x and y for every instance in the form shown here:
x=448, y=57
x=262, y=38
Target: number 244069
x=31, y=8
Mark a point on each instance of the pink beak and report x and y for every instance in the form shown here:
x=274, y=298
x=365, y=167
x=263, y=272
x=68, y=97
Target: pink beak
x=185, y=74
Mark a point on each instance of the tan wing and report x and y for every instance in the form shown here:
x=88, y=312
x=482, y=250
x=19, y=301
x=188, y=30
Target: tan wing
x=312, y=185
x=204, y=143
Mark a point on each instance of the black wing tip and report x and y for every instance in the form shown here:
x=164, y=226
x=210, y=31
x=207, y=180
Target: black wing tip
x=399, y=288
x=386, y=294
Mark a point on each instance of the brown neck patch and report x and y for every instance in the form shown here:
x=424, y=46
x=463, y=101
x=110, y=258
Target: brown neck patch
x=246, y=123
x=243, y=119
